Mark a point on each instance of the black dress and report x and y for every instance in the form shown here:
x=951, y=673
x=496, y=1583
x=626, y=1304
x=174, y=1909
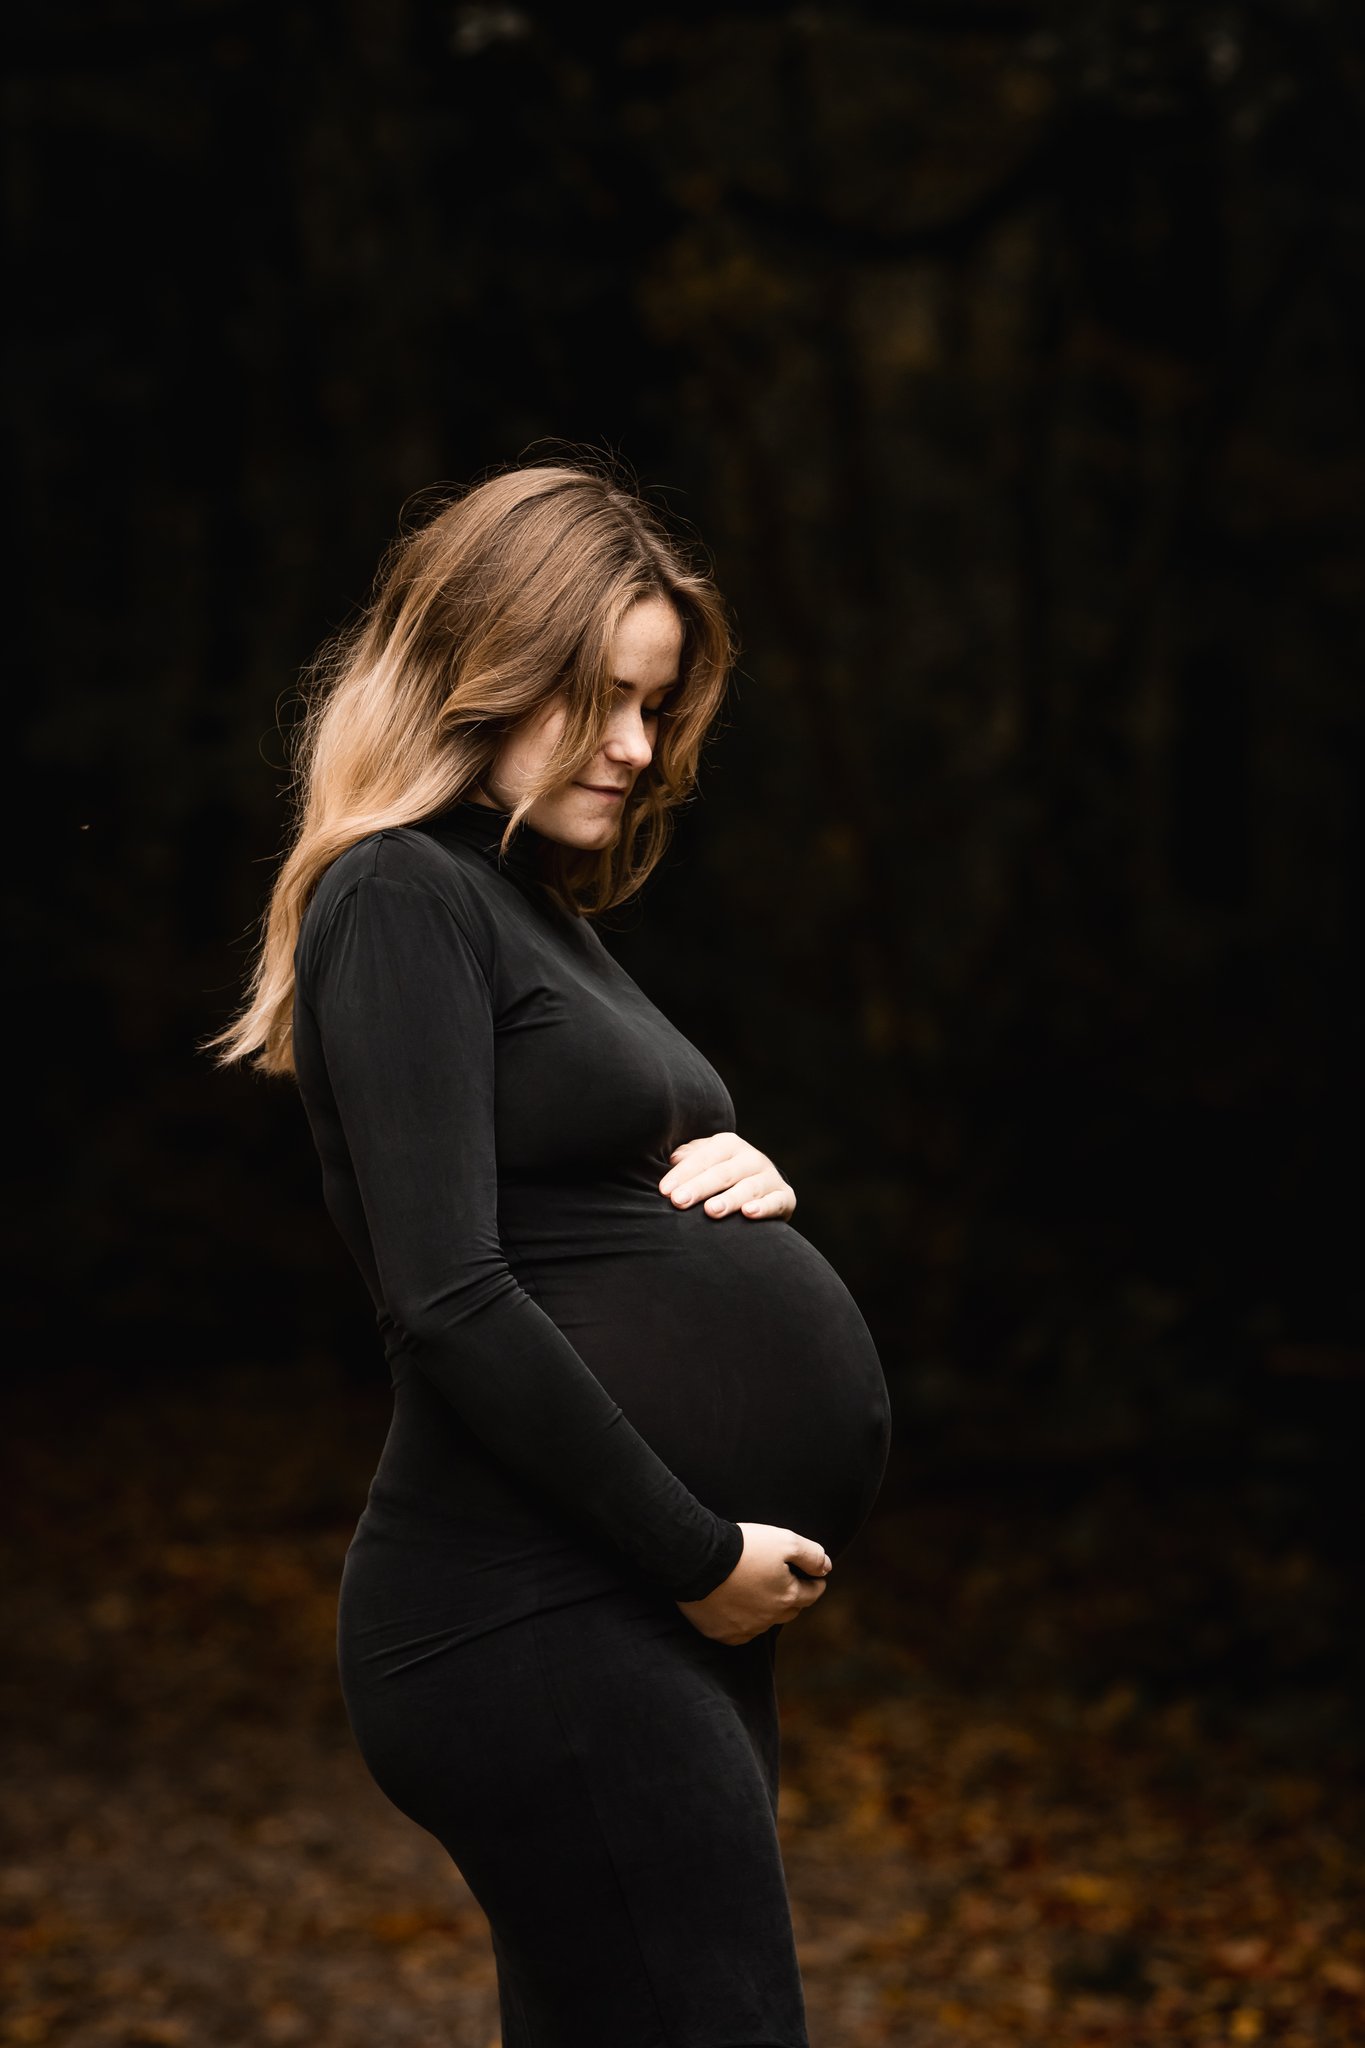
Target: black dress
x=591, y=1388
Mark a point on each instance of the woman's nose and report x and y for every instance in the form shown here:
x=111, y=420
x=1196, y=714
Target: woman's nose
x=631, y=744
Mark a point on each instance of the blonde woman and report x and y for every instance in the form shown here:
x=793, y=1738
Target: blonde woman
x=636, y=1414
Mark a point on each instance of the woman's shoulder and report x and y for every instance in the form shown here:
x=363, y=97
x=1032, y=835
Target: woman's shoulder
x=397, y=853
x=405, y=856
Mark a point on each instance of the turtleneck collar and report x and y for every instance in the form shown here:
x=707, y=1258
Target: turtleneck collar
x=481, y=826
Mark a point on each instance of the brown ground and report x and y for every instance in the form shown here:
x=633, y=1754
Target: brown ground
x=1062, y=1766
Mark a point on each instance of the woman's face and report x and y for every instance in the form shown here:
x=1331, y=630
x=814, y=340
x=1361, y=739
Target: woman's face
x=588, y=812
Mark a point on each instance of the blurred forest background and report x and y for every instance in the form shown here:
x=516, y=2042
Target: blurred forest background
x=1007, y=360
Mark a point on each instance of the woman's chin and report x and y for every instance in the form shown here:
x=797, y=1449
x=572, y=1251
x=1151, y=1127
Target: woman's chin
x=590, y=835
x=597, y=840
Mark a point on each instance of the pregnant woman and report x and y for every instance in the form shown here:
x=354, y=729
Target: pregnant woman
x=636, y=1414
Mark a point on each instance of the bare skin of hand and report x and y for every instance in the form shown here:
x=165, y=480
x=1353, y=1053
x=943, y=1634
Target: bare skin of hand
x=731, y=1173
x=762, y=1590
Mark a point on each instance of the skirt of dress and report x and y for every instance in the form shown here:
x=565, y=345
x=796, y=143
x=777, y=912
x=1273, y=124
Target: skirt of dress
x=605, y=1778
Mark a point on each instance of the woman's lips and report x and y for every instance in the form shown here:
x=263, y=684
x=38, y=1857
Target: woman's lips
x=596, y=789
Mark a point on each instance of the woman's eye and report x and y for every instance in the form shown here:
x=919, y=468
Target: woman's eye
x=648, y=710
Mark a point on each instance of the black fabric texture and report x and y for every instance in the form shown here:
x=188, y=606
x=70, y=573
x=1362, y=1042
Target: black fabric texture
x=591, y=1389
x=605, y=1779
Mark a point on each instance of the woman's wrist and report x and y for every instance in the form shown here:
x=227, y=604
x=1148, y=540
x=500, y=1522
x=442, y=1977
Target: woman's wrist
x=729, y=1548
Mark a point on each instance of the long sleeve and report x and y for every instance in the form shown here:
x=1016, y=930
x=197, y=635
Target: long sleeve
x=405, y=1019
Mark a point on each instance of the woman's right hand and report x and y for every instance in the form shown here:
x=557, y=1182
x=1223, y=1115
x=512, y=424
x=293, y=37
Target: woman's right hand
x=762, y=1589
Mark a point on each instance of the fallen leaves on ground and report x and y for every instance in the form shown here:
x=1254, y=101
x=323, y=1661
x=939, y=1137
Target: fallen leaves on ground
x=1063, y=1774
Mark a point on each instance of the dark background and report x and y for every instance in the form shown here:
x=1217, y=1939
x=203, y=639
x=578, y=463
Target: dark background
x=1008, y=362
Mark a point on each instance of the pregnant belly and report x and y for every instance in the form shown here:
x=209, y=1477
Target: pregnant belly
x=732, y=1346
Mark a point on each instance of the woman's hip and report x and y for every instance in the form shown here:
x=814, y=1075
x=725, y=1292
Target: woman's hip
x=605, y=1779
x=458, y=1728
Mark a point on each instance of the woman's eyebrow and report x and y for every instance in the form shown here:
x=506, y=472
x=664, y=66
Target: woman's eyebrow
x=648, y=688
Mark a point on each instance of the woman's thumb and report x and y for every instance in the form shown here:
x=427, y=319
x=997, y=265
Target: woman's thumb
x=812, y=1558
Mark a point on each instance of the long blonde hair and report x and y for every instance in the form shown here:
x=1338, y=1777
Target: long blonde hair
x=508, y=596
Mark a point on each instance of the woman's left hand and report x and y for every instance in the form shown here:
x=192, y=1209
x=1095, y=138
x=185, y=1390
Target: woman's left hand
x=732, y=1174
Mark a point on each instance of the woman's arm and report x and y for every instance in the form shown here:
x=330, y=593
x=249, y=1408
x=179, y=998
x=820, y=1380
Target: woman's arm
x=405, y=1020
